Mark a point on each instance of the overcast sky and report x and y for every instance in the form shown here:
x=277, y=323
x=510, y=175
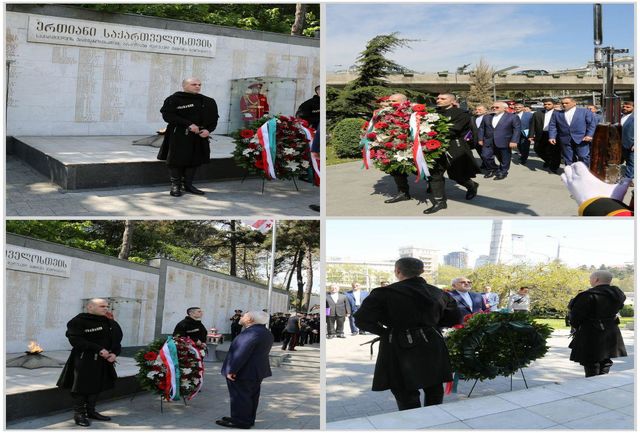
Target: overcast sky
x=531, y=36
x=582, y=240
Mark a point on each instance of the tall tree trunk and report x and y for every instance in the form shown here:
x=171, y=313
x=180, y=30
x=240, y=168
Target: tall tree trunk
x=309, y=278
x=298, y=24
x=293, y=268
x=127, y=237
x=244, y=263
x=300, y=294
x=234, y=247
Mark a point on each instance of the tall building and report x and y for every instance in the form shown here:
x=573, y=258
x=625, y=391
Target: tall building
x=430, y=258
x=500, y=247
x=458, y=259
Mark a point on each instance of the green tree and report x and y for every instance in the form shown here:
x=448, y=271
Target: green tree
x=447, y=273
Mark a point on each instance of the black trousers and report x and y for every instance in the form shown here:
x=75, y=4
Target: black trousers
x=597, y=368
x=523, y=148
x=410, y=399
x=244, y=397
x=83, y=403
x=335, y=325
x=290, y=338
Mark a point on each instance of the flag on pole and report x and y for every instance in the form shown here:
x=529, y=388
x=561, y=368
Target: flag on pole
x=263, y=226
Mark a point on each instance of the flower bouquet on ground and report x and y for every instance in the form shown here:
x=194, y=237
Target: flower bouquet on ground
x=404, y=138
x=496, y=344
x=172, y=368
x=277, y=147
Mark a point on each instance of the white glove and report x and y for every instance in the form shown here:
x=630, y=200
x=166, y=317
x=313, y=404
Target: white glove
x=583, y=185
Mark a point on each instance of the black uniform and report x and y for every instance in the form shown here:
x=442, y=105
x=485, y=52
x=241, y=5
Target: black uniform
x=191, y=328
x=412, y=355
x=236, y=327
x=290, y=333
x=597, y=338
x=309, y=110
x=86, y=373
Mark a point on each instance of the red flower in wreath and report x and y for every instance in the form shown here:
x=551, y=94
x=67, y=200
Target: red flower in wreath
x=401, y=136
x=259, y=164
x=381, y=125
x=432, y=133
x=388, y=145
x=150, y=356
x=401, y=146
x=371, y=136
x=418, y=108
x=432, y=144
x=247, y=133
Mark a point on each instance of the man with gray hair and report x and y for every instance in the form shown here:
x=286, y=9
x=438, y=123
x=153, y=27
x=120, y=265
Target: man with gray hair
x=244, y=367
x=593, y=314
x=407, y=316
x=191, y=119
x=499, y=132
x=95, y=341
x=468, y=302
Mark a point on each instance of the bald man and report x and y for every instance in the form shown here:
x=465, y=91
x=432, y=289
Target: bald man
x=593, y=314
x=498, y=134
x=95, y=341
x=191, y=119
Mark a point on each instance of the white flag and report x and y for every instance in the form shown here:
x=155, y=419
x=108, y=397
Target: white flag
x=262, y=225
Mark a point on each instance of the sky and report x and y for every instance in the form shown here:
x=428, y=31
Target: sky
x=582, y=241
x=530, y=36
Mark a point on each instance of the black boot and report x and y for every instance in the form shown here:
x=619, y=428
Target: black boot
x=472, y=189
x=80, y=410
x=400, y=197
x=189, y=175
x=438, y=204
x=91, y=409
x=176, y=181
x=402, y=183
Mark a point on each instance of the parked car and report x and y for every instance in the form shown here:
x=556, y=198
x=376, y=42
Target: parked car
x=532, y=72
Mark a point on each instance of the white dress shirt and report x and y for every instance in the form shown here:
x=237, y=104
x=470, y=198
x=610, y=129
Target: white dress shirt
x=335, y=296
x=467, y=298
x=624, y=119
x=496, y=119
x=547, y=119
x=568, y=114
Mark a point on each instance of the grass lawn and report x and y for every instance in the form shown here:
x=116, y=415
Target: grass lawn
x=559, y=323
x=333, y=159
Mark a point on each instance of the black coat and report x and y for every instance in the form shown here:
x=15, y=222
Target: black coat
x=389, y=312
x=180, y=147
x=460, y=163
x=309, y=110
x=191, y=328
x=86, y=372
x=593, y=314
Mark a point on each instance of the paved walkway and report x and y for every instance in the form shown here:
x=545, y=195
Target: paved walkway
x=350, y=369
x=29, y=193
x=290, y=399
x=528, y=190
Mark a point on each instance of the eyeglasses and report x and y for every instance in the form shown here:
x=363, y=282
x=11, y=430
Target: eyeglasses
x=465, y=282
x=496, y=106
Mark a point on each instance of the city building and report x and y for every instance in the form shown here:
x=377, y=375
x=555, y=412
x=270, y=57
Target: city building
x=457, y=259
x=431, y=259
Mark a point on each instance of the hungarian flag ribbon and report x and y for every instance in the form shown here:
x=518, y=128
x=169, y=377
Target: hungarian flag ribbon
x=418, y=155
x=267, y=139
x=200, y=366
x=364, y=143
x=315, y=162
x=169, y=357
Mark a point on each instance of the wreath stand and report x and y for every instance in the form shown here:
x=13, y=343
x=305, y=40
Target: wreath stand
x=511, y=378
x=246, y=173
x=184, y=400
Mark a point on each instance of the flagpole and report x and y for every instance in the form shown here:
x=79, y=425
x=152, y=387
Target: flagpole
x=271, y=266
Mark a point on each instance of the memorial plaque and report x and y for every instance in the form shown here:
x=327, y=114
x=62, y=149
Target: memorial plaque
x=39, y=262
x=94, y=34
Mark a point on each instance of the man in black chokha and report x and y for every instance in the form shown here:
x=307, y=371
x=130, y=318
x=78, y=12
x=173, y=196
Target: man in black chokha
x=191, y=119
x=412, y=355
x=192, y=327
x=592, y=313
x=90, y=368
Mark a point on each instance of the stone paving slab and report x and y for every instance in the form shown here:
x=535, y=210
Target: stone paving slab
x=30, y=194
x=528, y=191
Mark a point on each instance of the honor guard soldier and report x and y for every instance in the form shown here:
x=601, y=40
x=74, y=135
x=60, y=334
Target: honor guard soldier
x=254, y=105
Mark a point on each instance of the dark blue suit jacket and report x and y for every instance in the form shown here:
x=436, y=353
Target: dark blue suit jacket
x=583, y=124
x=352, y=301
x=506, y=131
x=248, y=355
x=627, y=133
x=525, y=122
x=477, y=300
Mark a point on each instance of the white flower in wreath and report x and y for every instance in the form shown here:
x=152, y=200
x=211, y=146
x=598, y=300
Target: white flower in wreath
x=184, y=382
x=432, y=117
x=425, y=128
x=152, y=374
x=158, y=361
x=247, y=152
x=196, y=381
x=304, y=164
x=254, y=140
x=185, y=370
x=292, y=165
x=290, y=151
x=403, y=155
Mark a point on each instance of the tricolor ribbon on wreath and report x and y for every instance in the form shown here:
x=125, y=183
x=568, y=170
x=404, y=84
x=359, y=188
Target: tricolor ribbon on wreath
x=418, y=156
x=315, y=162
x=169, y=357
x=365, y=144
x=200, y=366
x=267, y=139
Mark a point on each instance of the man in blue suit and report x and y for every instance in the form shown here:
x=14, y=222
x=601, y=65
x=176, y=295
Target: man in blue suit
x=628, y=145
x=355, y=298
x=498, y=134
x=246, y=364
x=523, y=142
x=468, y=302
x=573, y=130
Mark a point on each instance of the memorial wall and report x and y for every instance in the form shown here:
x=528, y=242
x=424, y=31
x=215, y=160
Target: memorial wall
x=78, y=72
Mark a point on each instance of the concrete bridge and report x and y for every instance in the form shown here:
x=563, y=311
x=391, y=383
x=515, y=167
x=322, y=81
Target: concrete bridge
x=438, y=82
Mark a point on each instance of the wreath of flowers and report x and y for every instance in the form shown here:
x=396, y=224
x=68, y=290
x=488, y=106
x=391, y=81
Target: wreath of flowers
x=496, y=344
x=292, y=156
x=153, y=371
x=389, y=140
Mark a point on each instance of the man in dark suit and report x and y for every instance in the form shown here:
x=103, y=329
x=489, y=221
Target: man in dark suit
x=246, y=365
x=573, y=130
x=355, y=298
x=499, y=133
x=539, y=136
x=479, y=112
x=628, y=144
x=338, y=308
x=468, y=302
x=412, y=354
x=523, y=141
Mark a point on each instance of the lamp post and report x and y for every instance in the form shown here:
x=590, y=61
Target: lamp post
x=493, y=78
x=558, y=249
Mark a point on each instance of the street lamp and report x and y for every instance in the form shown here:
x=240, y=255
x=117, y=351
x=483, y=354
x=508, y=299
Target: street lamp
x=558, y=249
x=493, y=78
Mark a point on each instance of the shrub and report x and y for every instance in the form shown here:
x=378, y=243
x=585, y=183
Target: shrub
x=345, y=138
x=627, y=311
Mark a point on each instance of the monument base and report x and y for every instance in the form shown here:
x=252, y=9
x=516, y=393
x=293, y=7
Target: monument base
x=87, y=162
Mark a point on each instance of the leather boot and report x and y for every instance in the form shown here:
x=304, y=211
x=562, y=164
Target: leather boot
x=175, y=174
x=402, y=183
x=91, y=409
x=438, y=204
x=189, y=175
x=80, y=410
x=472, y=189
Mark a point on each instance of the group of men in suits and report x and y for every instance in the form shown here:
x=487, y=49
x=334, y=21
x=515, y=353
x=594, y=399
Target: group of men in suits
x=342, y=306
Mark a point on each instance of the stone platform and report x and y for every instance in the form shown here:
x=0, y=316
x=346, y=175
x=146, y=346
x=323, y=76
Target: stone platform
x=83, y=162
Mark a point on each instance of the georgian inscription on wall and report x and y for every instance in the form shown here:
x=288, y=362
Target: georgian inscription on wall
x=67, y=31
x=40, y=262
